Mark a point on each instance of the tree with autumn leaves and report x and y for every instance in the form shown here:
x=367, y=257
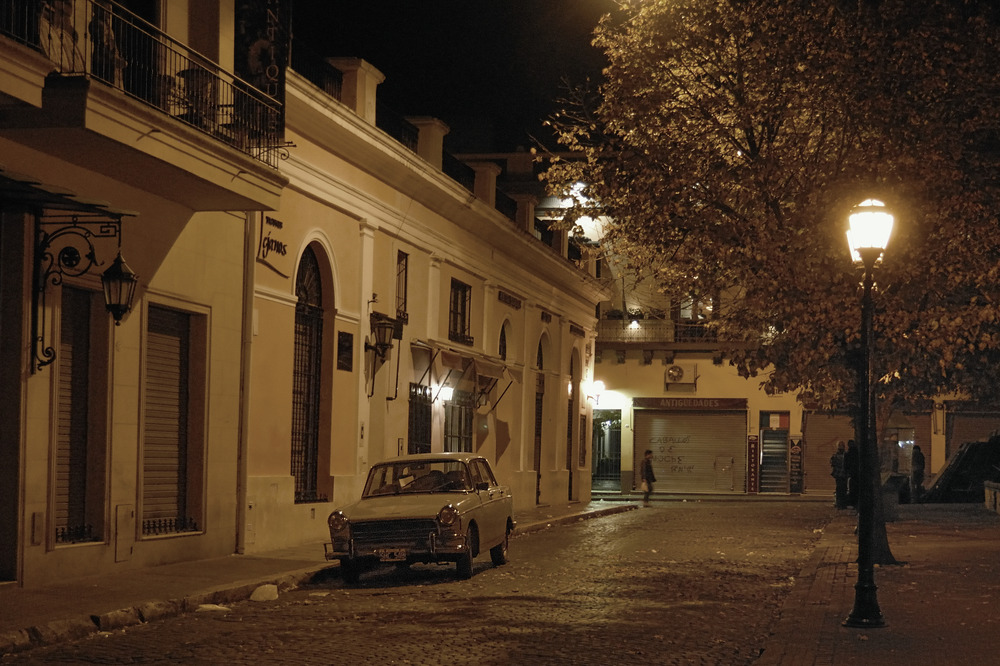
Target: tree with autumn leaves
x=728, y=142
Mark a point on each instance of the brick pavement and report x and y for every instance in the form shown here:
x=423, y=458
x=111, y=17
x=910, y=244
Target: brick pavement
x=938, y=605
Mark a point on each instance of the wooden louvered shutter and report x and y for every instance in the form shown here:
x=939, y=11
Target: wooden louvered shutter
x=165, y=426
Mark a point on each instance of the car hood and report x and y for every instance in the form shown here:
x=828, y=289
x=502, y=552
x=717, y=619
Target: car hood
x=415, y=505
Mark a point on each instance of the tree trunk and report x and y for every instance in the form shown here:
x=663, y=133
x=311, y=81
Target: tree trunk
x=881, y=554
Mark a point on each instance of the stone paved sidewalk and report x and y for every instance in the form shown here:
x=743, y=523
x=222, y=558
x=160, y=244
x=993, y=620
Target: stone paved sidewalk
x=939, y=607
x=66, y=610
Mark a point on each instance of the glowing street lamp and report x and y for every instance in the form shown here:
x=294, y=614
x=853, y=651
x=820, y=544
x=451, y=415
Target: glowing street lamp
x=871, y=226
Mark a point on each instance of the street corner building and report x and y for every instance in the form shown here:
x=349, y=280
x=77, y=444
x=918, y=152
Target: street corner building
x=229, y=286
x=667, y=387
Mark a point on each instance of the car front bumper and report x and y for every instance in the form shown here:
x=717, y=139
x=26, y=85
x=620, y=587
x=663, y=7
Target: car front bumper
x=434, y=546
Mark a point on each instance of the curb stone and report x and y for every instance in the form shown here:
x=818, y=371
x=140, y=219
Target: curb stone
x=575, y=517
x=125, y=617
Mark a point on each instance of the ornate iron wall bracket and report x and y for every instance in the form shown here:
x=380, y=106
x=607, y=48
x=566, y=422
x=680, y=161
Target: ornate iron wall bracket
x=65, y=247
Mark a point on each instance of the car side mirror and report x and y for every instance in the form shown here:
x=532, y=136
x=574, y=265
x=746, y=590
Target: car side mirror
x=483, y=485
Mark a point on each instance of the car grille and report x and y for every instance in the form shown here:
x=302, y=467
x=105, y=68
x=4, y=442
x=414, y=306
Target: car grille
x=392, y=532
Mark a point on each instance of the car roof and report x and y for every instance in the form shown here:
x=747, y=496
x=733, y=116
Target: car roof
x=422, y=457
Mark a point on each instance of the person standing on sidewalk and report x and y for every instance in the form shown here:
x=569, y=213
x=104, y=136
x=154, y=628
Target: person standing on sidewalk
x=917, y=473
x=852, y=461
x=647, y=477
x=838, y=470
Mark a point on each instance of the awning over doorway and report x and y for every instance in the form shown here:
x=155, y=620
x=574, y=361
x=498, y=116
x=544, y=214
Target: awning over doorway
x=47, y=200
x=482, y=371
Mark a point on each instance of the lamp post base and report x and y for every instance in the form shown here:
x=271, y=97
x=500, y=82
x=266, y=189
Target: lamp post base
x=866, y=614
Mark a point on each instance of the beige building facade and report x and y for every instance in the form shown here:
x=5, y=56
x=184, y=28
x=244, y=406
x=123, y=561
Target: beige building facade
x=313, y=293
x=121, y=441
x=492, y=330
x=669, y=388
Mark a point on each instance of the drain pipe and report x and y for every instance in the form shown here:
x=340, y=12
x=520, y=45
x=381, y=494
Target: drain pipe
x=246, y=335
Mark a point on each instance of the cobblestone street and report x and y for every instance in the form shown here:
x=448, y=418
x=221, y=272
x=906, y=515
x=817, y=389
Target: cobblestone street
x=679, y=583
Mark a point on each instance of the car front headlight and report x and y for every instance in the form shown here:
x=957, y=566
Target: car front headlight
x=448, y=516
x=337, y=521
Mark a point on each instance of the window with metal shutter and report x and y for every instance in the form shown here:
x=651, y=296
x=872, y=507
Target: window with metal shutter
x=165, y=423
x=820, y=434
x=73, y=423
x=694, y=451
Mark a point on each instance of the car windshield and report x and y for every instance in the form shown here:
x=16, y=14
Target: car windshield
x=425, y=476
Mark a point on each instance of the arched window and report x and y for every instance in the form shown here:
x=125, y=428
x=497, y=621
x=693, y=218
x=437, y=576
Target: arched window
x=539, y=357
x=307, y=378
x=502, y=347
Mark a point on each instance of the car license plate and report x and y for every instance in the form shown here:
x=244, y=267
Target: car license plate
x=391, y=554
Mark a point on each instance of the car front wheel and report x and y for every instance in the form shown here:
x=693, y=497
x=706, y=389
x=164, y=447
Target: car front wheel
x=498, y=553
x=350, y=572
x=463, y=566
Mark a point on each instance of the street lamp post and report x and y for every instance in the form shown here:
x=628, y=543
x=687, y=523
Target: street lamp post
x=871, y=225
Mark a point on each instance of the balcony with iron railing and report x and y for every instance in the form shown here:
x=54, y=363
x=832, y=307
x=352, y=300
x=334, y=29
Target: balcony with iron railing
x=655, y=333
x=323, y=73
x=110, y=44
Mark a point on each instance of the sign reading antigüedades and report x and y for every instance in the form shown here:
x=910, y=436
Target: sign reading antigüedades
x=262, y=45
x=690, y=404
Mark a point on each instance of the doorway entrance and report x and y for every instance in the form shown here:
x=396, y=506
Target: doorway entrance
x=607, y=450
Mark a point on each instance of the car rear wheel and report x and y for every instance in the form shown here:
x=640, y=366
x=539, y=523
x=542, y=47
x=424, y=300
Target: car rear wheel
x=498, y=553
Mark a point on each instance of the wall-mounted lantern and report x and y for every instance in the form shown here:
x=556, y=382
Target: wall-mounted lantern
x=119, y=283
x=594, y=394
x=382, y=328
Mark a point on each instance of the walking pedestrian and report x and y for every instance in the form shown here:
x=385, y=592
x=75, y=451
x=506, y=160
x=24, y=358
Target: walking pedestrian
x=917, y=472
x=646, y=476
x=852, y=461
x=838, y=470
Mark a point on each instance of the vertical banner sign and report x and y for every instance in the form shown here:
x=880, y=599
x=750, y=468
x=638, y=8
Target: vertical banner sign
x=795, y=467
x=753, y=464
x=262, y=47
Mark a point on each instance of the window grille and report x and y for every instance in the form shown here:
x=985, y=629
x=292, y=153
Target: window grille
x=419, y=430
x=306, y=379
x=458, y=420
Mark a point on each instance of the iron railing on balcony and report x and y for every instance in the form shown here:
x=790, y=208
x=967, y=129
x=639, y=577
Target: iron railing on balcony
x=458, y=171
x=101, y=39
x=506, y=205
x=318, y=71
x=653, y=330
x=396, y=126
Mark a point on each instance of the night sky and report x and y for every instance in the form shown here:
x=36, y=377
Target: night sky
x=490, y=69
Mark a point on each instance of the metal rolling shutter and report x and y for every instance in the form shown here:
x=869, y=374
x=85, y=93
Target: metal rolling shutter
x=922, y=434
x=694, y=451
x=820, y=434
x=165, y=428
x=71, y=433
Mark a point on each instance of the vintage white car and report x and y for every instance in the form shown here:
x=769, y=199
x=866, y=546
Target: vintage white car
x=434, y=507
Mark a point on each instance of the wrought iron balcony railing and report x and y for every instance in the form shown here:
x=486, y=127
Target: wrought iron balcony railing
x=107, y=42
x=653, y=330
